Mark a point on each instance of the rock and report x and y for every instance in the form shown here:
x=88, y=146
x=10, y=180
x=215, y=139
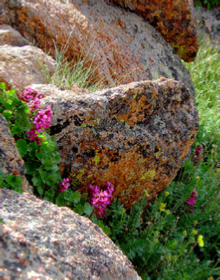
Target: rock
x=10, y=160
x=209, y=24
x=173, y=19
x=134, y=136
x=120, y=45
x=20, y=258
x=19, y=66
x=41, y=239
x=10, y=36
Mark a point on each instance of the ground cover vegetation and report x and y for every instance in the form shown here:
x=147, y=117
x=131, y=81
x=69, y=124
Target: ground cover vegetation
x=176, y=237
x=207, y=3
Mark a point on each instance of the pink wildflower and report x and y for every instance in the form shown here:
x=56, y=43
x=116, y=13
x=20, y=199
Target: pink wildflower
x=43, y=120
x=33, y=136
x=197, y=157
x=100, y=199
x=32, y=98
x=64, y=185
x=192, y=200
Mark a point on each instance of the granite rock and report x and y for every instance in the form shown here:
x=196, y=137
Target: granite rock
x=173, y=19
x=19, y=66
x=135, y=136
x=10, y=36
x=40, y=240
x=119, y=44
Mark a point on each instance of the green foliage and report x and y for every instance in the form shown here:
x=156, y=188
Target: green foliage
x=207, y=3
x=12, y=182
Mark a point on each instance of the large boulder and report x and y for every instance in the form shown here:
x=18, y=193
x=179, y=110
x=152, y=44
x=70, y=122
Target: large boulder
x=10, y=36
x=11, y=162
x=120, y=45
x=135, y=136
x=39, y=240
x=20, y=66
x=174, y=19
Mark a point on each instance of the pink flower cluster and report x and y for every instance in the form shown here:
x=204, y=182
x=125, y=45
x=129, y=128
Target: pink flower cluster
x=100, y=199
x=192, y=200
x=197, y=157
x=32, y=97
x=42, y=119
x=64, y=185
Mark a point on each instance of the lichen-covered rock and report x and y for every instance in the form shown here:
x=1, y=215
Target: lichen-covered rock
x=174, y=19
x=19, y=66
x=10, y=160
x=134, y=136
x=121, y=46
x=43, y=241
x=10, y=36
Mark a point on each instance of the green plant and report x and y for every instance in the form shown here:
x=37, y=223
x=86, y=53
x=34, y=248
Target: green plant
x=207, y=3
x=79, y=71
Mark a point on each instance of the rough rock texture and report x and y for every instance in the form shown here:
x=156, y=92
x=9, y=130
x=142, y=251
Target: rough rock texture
x=174, y=19
x=135, y=136
x=10, y=160
x=20, y=258
x=123, y=47
x=19, y=66
x=47, y=239
x=10, y=36
x=209, y=24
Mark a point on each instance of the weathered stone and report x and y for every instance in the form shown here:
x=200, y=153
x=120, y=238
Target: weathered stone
x=174, y=19
x=121, y=46
x=19, y=66
x=20, y=259
x=209, y=25
x=47, y=239
x=10, y=36
x=10, y=160
x=134, y=136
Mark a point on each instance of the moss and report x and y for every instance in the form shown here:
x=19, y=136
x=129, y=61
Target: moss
x=149, y=174
x=96, y=159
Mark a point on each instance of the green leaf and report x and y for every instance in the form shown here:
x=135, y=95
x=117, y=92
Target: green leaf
x=51, y=179
x=88, y=209
x=14, y=181
x=2, y=86
x=22, y=147
x=79, y=209
x=31, y=167
x=26, y=125
x=7, y=114
x=67, y=194
x=172, y=244
x=37, y=181
x=17, y=129
x=43, y=174
x=75, y=197
x=50, y=193
x=60, y=200
x=40, y=191
x=103, y=227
